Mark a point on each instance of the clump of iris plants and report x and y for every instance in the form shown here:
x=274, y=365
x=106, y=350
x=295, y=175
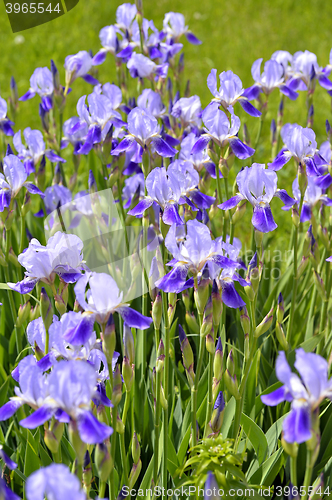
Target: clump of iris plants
x=165, y=276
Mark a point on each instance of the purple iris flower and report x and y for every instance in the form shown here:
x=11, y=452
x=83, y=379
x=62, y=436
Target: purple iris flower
x=151, y=101
x=112, y=92
x=125, y=15
x=71, y=387
x=134, y=185
x=223, y=279
x=313, y=194
x=61, y=256
x=110, y=41
x=5, y=123
x=142, y=67
x=41, y=83
x=6, y=493
x=304, y=69
x=305, y=392
x=211, y=488
x=323, y=160
x=222, y=131
x=230, y=91
x=99, y=115
x=151, y=38
x=14, y=177
x=79, y=65
x=258, y=185
x=144, y=129
x=55, y=482
x=174, y=26
x=300, y=143
x=8, y=461
x=75, y=132
x=188, y=110
x=192, y=253
x=34, y=149
x=102, y=304
x=170, y=188
x=198, y=160
x=284, y=58
x=271, y=78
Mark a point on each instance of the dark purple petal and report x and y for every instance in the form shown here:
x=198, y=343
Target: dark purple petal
x=262, y=219
x=53, y=157
x=29, y=166
x=62, y=416
x=297, y=424
x=122, y=146
x=8, y=410
x=27, y=95
x=47, y=103
x=290, y=93
x=175, y=280
x=80, y=334
x=275, y=397
x=39, y=417
x=91, y=430
x=140, y=208
x=125, y=53
x=5, y=197
x=192, y=38
x=24, y=286
x=99, y=58
x=230, y=296
x=280, y=160
x=133, y=318
x=306, y=213
x=311, y=167
x=162, y=148
x=200, y=145
x=211, y=170
x=33, y=189
x=249, y=108
x=252, y=92
x=224, y=262
x=285, y=198
x=171, y=141
x=100, y=396
x=90, y=79
x=241, y=151
x=202, y=200
x=171, y=215
x=325, y=82
x=7, y=128
x=231, y=203
x=8, y=461
x=323, y=181
x=46, y=362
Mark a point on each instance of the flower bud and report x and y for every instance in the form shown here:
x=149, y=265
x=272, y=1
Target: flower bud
x=230, y=365
x=134, y=473
x=317, y=488
x=53, y=436
x=320, y=286
x=246, y=346
x=103, y=461
x=46, y=309
x=26, y=204
x=245, y=320
x=201, y=295
x=265, y=324
x=280, y=308
x=14, y=92
x=163, y=400
x=192, y=323
x=76, y=442
x=127, y=373
x=302, y=179
x=314, y=253
x=170, y=313
x=217, y=362
x=135, y=449
x=34, y=312
x=207, y=319
x=87, y=472
x=186, y=299
x=117, y=386
x=239, y=212
x=216, y=304
x=128, y=343
x=157, y=310
x=273, y=130
x=303, y=266
x=120, y=428
x=290, y=448
x=281, y=337
x=324, y=236
x=218, y=413
x=23, y=314
x=209, y=342
x=9, y=219
x=232, y=385
x=3, y=261
x=109, y=339
x=187, y=353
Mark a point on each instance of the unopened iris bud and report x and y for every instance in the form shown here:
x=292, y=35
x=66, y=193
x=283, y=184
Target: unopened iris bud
x=92, y=183
x=281, y=337
x=245, y=320
x=109, y=339
x=120, y=428
x=23, y=314
x=46, y=309
x=170, y=313
x=246, y=346
x=213, y=155
x=135, y=449
x=232, y=385
x=52, y=437
x=14, y=92
x=3, y=261
x=209, y=342
x=55, y=74
x=239, y=212
x=319, y=285
x=280, y=113
x=218, y=413
x=103, y=461
x=216, y=304
x=128, y=343
x=117, y=386
x=181, y=63
x=26, y=204
x=327, y=127
x=253, y=276
x=127, y=373
x=157, y=310
x=302, y=179
x=307, y=242
x=280, y=308
x=230, y=364
x=44, y=118
x=134, y=473
x=160, y=357
x=207, y=318
x=311, y=113
x=217, y=362
x=192, y=323
x=265, y=324
x=290, y=448
x=295, y=217
x=303, y=266
x=186, y=299
x=324, y=236
x=87, y=472
x=314, y=253
x=246, y=136
x=317, y=488
x=187, y=89
x=201, y=295
x=273, y=130
x=187, y=353
x=76, y=442
x=35, y=312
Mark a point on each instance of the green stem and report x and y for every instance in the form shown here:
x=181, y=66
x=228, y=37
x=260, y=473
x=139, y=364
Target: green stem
x=123, y=460
x=156, y=430
x=210, y=396
x=293, y=470
x=308, y=474
x=102, y=489
x=125, y=408
x=295, y=282
x=113, y=451
x=166, y=378
x=195, y=387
